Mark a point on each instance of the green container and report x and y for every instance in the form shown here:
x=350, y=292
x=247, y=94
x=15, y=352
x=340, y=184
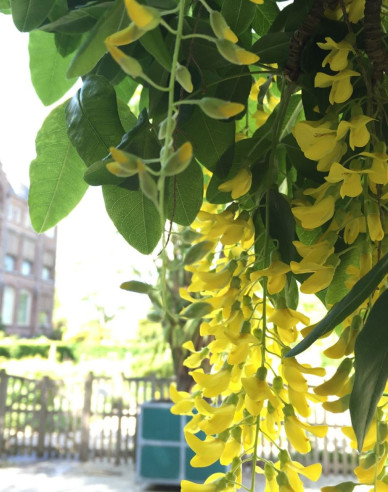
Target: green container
x=162, y=455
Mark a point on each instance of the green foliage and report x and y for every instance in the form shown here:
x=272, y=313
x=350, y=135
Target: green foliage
x=48, y=72
x=56, y=174
x=29, y=14
x=371, y=364
x=348, y=304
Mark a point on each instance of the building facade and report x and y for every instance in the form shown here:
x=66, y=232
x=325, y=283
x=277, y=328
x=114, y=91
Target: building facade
x=27, y=267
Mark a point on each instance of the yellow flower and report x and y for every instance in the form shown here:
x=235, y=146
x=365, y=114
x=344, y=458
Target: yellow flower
x=336, y=383
x=359, y=134
x=351, y=179
x=217, y=419
x=239, y=185
x=125, y=36
x=341, y=87
x=286, y=320
x=376, y=231
x=318, y=252
x=258, y=390
x=338, y=56
x=313, y=216
x=209, y=280
x=219, y=109
x=210, y=485
x=334, y=155
x=233, y=448
x=370, y=437
x=235, y=54
x=276, y=274
x=355, y=9
x=212, y=384
x=206, y=452
x=143, y=17
x=293, y=469
x=379, y=169
x=184, y=402
x=316, y=139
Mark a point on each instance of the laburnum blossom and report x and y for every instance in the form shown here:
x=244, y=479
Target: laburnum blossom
x=317, y=139
x=206, y=452
x=341, y=87
x=321, y=277
x=183, y=401
x=336, y=384
x=146, y=18
x=295, y=430
x=379, y=170
x=313, y=216
x=276, y=275
x=358, y=133
x=212, y=384
x=338, y=56
x=239, y=185
x=372, y=464
x=355, y=9
x=293, y=469
x=350, y=178
x=217, y=419
x=213, y=483
x=286, y=320
x=205, y=280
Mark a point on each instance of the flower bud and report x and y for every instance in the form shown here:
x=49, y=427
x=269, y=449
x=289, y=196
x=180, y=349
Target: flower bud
x=128, y=64
x=125, y=36
x=148, y=186
x=220, y=109
x=179, y=161
x=183, y=76
x=235, y=54
x=143, y=17
x=221, y=28
x=124, y=165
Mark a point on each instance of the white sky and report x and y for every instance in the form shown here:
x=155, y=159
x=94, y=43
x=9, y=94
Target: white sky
x=90, y=252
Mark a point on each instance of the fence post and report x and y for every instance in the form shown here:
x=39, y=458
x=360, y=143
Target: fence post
x=118, y=437
x=42, y=416
x=3, y=407
x=85, y=421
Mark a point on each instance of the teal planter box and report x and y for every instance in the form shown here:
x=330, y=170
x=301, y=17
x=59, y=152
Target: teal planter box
x=162, y=455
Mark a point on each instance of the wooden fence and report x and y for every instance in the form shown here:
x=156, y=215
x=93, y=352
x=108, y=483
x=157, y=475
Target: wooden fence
x=96, y=419
x=87, y=419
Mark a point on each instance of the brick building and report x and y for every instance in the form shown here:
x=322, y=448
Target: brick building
x=27, y=267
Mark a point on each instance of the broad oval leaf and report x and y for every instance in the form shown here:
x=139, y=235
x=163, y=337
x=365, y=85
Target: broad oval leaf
x=210, y=138
x=197, y=310
x=48, y=68
x=136, y=286
x=93, y=119
x=134, y=216
x=264, y=17
x=56, y=174
x=77, y=21
x=348, y=304
x=371, y=368
x=239, y=14
x=154, y=43
x=30, y=14
x=185, y=195
x=273, y=47
x=94, y=47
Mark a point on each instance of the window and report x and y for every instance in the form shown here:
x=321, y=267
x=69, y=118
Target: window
x=26, y=267
x=43, y=319
x=28, y=249
x=49, y=258
x=50, y=233
x=9, y=263
x=14, y=214
x=12, y=243
x=46, y=273
x=24, y=307
x=8, y=305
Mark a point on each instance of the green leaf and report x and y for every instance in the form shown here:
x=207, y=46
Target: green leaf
x=67, y=43
x=185, y=194
x=197, y=252
x=5, y=7
x=125, y=89
x=348, y=304
x=93, y=48
x=79, y=20
x=210, y=138
x=93, y=120
x=371, y=368
x=56, y=174
x=136, y=286
x=273, y=47
x=134, y=216
x=337, y=289
x=154, y=43
x=238, y=14
x=127, y=118
x=48, y=68
x=281, y=225
x=197, y=310
x=30, y=14
x=264, y=17
x=341, y=487
x=294, y=113
x=236, y=89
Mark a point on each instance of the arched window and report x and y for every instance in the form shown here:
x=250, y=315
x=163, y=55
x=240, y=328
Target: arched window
x=24, y=307
x=8, y=305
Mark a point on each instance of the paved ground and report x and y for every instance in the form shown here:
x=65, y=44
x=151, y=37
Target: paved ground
x=21, y=475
